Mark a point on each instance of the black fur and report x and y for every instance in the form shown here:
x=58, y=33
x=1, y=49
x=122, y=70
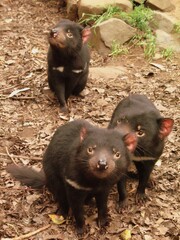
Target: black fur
x=92, y=158
x=137, y=110
x=69, y=55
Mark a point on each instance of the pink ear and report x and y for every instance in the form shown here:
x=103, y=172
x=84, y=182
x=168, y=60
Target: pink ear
x=83, y=133
x=86, y=32
x=166, y=125
x=130, y=141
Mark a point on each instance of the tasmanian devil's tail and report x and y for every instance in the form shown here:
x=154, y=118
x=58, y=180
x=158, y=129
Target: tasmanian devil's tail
x=27, y=176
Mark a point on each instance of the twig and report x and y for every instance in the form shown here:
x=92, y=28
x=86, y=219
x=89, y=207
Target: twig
x=17, y=98
x=3, y=98
x=28, y=235
x=22, y=98
x=132, y=190
x=20, y=156
x=13, y=227
x=8, y=88
x=17, y=189
x=10, y=156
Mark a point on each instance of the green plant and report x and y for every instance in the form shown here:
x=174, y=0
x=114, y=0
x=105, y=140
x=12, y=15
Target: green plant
x=167, y=53
x=150, y=46
x=109, y=12
x=139, y=18
x=117, y=49
x=177, y=27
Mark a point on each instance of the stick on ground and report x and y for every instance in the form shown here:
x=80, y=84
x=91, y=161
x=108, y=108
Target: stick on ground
x=28, y=235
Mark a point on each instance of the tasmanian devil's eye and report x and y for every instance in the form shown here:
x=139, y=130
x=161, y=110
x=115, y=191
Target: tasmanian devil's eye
x=119, y=121
x=117, y=155
x=140, y=133
x=90, y=150
x=69, y=34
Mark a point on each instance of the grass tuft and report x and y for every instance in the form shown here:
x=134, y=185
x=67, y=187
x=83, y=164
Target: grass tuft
x=118, y=49
x=176, y=28
x=167, y=53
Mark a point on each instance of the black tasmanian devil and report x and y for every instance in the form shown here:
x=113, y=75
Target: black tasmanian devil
x=81, y=161
x=137, y=113
x=68, y=60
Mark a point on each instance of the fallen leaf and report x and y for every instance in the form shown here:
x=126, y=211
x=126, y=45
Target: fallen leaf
x=99, y=90
x=17, y=91
x=158, y=163
x=126, y=234
x=157, y=65
x=35, y=50
x=147, y=237
x=163, y=230
x=32, y=198
x=9, y=62
x=57, y=219
x=8, y=20
x=170, y=89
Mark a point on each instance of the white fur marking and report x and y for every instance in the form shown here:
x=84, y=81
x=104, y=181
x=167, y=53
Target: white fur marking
x=60, y=68
x=79, y=70
x=76, y=185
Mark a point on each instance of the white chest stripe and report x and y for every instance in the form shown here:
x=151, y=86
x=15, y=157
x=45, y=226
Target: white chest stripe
x=61, y=69
x=76, y=185
x=77, y=70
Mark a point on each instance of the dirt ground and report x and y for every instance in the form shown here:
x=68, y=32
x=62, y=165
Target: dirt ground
x=28, y=120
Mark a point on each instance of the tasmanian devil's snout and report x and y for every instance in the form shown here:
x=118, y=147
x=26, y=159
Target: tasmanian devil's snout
x=53, y=32
x=102, y=164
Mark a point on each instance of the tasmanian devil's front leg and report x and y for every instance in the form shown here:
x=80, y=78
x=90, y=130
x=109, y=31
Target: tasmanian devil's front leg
x=144, y=171
x=59, y=89
x=101, y=202
x=76, y=201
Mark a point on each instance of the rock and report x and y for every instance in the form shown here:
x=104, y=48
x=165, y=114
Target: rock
x=109, y=31
x=108, y=72
x=162, y=5
x=139, y=1
x=98, y=7
x=162, y=21
x=166, y=40
x=72, y=9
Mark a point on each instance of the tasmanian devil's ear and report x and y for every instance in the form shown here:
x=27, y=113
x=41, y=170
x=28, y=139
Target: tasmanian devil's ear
x=86, y=32
x=83, y=133
x=165, y=127
x=130, y=141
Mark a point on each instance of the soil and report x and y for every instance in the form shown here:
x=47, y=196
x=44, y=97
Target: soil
x=176, y=11
x=29, y=118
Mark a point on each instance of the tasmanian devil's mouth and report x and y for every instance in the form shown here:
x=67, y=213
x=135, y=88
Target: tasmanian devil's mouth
x=53, y=33
x=57, y=42
x=101, y=167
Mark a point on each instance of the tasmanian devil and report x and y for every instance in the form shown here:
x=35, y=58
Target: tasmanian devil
x=137, y=113
x=68, y=60
x=81, y=161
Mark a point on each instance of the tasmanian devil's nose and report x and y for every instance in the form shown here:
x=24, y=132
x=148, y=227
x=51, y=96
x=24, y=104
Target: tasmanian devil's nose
x=102, y=164
x=53, y=32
